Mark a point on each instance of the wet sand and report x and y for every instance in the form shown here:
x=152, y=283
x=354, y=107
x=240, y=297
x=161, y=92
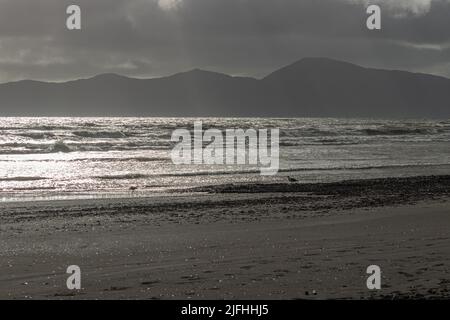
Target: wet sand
x=284, y=241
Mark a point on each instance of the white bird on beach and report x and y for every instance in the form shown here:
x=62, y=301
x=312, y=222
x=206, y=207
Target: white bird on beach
x=292, y=179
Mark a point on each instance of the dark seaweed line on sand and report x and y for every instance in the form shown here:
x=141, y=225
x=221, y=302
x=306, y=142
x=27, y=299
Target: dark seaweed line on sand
x=258, y=202
x=425, y=185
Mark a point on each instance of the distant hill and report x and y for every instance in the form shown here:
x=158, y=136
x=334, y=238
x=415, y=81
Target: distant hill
x=311, y=87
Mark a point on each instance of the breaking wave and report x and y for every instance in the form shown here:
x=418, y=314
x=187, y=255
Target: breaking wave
x=100, y=134
x=397, y=131
x=129, y=176
x=23, y=178
x=37, y=135
x=59, y=146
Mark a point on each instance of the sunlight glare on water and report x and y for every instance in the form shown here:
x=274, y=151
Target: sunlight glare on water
x=63, y=158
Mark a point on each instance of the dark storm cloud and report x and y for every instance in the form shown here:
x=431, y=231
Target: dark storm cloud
x=147, y=38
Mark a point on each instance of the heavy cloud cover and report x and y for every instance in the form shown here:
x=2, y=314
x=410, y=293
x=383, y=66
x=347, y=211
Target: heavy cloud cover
x=150, y=38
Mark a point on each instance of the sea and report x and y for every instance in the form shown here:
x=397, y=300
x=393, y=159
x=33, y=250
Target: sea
x=85, y=158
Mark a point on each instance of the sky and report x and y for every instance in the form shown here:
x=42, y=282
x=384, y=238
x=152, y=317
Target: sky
x=152, y=38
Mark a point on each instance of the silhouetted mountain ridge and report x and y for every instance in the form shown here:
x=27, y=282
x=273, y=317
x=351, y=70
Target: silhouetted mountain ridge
x=311, y=87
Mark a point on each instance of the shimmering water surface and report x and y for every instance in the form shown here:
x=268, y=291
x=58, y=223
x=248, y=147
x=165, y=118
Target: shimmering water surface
x=60, y=158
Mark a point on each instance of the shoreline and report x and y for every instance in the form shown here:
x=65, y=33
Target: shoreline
x=244, y=202
x=281, y=241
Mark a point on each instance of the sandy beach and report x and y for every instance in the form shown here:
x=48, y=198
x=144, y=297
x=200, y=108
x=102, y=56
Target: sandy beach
x=225, y=152
x=273, y=241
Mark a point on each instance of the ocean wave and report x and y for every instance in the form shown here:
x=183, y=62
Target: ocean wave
x=132, y=176
x=59, y=146
x=257, y=171
x=377, y=130
x=37, y=135
x=36, y=128
x=369, y=167
x=12, y=148
x=396, y=131
x=126, y=159
x=100, y=134
x=308, y=132
x=320, y=142
x=33, y=188
x=128, y=176
x=23, y=179
x=285, y=170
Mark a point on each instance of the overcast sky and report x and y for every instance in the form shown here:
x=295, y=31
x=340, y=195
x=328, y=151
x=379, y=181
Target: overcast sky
x=150, y=38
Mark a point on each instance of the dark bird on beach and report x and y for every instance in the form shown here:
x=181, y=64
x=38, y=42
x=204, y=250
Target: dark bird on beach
x=133, y=188
x=292, y=179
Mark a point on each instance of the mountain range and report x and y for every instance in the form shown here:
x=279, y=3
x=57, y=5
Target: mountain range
x=311, y=87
